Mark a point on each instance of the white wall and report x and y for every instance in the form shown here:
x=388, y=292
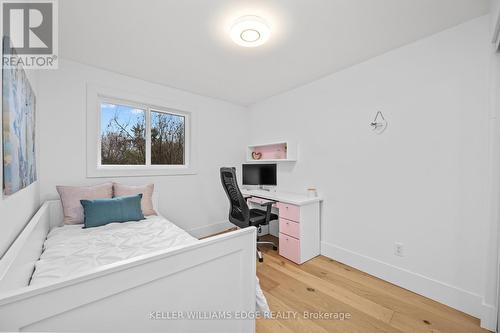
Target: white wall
x=424, y=182
x=17, y=209
x=190, y=201
x=495, y=13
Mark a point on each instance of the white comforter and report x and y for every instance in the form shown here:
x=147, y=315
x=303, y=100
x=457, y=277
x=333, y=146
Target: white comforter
x=71, y=249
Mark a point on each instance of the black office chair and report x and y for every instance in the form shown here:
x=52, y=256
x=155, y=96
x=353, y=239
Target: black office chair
x=239, y=213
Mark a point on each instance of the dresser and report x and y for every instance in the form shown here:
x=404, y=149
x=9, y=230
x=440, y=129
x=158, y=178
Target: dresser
x=299, y=222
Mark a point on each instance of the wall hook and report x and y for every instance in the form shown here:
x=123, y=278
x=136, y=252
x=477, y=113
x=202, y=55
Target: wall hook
x=379, y=124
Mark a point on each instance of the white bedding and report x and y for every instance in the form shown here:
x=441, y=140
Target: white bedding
x=70, y=249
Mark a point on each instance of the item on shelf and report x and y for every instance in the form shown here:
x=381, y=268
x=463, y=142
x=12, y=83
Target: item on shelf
x=256, y=155
x=275, y=152
x=312, y=192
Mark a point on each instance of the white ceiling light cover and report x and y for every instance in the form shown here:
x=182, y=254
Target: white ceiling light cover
x=250, y=31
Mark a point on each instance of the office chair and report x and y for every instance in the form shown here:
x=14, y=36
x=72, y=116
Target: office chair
x=239, y=213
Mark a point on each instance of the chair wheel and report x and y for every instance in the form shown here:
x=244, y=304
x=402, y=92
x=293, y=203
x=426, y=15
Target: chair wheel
x=275, y=248
x=261, y=259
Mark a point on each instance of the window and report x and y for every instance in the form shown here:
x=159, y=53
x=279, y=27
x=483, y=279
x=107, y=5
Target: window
x=135, y=136
x=123, y=135
x=167, y=138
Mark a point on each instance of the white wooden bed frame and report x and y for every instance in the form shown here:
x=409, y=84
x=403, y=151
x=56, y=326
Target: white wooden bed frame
x=142, y=294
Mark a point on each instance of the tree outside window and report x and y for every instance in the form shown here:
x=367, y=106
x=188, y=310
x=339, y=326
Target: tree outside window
x=124, y=139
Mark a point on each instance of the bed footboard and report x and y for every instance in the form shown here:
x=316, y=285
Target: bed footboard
x=175, y=290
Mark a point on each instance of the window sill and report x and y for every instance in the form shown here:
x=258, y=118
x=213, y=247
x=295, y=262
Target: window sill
x=138, y=171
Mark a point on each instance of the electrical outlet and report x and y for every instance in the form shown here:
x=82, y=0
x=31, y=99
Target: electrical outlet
x=399, y=249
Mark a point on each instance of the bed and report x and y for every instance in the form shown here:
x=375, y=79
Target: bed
x=134, y=276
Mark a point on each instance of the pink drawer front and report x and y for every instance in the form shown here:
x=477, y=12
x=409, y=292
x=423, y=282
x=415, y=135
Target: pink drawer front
x=290, y=248
x=289, y=212
x=289, y=228
x=258, y=201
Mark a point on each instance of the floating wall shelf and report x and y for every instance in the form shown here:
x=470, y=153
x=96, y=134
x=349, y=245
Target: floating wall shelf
x=283, y=151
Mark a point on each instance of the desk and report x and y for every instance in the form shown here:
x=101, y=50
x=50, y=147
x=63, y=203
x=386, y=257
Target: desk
x=299, y=222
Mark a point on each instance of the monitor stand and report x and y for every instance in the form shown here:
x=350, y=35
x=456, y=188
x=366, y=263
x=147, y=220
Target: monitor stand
x=261, y=187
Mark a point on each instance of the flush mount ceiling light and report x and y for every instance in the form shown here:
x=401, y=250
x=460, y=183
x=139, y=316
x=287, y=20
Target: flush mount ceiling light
x=250, y=31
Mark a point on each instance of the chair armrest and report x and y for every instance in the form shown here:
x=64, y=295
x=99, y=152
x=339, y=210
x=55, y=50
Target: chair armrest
x=269, y=206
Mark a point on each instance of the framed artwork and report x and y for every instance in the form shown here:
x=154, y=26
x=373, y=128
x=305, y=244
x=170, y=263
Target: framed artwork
x=18, y=128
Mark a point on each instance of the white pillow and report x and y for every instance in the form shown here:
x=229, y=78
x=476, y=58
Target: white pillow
x=147, y=207
x=71, y=196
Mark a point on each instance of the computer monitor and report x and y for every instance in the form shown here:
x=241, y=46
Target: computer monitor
x=259, y=174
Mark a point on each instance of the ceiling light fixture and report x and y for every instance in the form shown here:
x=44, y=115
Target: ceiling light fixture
x=250, y=31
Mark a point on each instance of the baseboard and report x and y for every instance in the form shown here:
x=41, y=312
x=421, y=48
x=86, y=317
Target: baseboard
x=210, y=229
x=452, y=296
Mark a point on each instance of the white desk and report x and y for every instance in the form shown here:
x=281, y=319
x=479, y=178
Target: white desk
x=288, y=197
x=299, y=222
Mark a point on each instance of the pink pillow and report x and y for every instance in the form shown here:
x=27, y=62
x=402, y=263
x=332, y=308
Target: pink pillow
x=71, y=196
x=121, y=190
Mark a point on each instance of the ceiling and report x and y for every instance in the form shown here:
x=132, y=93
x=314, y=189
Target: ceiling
x=185, y=43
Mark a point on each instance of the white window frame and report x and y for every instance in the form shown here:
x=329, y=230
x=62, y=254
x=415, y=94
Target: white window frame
x=96, y=96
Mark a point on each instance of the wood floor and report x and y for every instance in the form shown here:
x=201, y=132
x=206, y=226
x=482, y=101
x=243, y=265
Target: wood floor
x=322, y=285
